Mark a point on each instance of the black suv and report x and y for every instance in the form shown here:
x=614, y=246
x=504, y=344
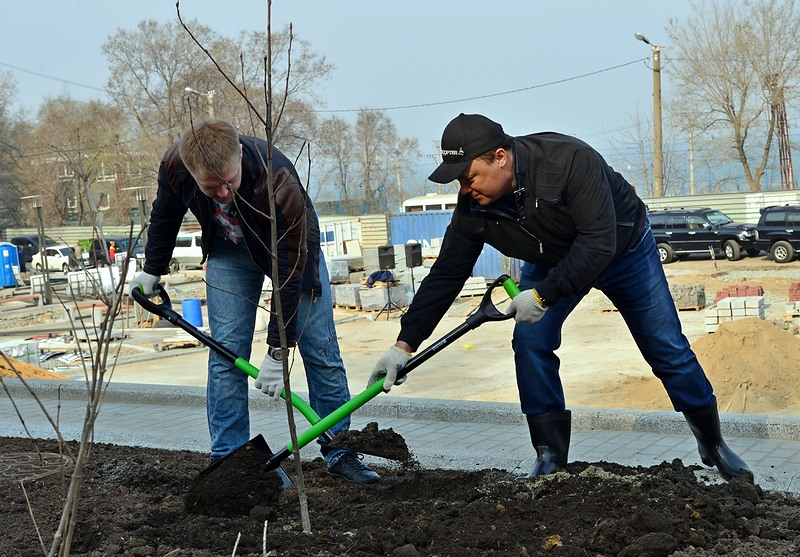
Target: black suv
x=30, y=245
x=779, y=232
x=685, y=231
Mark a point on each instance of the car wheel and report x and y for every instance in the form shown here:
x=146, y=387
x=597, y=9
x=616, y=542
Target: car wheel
x=782, y=251
x=753, y=252
x=174, y=266
x=38, y=267
x=732, y=250
x=665, y=253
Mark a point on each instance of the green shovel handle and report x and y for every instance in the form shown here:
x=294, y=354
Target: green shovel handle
x=301, y=405
x=359, y=400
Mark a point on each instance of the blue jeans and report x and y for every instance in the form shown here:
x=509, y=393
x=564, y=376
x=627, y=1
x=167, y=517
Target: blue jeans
x=637, y=286
x=233, y=292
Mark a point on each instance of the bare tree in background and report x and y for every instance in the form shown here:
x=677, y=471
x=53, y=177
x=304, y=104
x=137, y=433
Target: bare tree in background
x=11, y=210
x=152, y=66
x=71, y=135
x=374, y=132
x=382, y=158
x=734, y=61
x=636, y=152
x=337, y=147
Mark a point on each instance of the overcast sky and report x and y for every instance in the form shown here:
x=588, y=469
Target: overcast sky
x=571, y=66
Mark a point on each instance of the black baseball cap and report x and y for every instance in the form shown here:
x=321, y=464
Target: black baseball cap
x=466, y=136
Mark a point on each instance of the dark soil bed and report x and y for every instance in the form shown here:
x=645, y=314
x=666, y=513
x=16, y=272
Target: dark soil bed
x=133, y=503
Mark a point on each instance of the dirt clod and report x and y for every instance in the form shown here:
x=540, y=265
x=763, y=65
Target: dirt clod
x=384, y=443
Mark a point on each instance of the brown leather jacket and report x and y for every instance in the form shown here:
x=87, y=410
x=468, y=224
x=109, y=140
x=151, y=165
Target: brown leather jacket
x=298, y=226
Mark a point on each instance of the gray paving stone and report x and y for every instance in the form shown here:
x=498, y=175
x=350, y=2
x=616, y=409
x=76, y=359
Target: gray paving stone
x=448, y=434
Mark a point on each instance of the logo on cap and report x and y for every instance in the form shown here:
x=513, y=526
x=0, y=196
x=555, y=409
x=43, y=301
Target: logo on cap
x=474, y=135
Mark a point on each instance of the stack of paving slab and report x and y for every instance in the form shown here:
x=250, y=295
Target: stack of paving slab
x=688, y=296
x=342, y=267
x=792, y=310
x=739, y=290
x=733, y=308
x=346, y=295
x=377, y=298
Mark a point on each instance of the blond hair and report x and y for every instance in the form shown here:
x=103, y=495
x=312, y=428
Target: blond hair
x=208, y=147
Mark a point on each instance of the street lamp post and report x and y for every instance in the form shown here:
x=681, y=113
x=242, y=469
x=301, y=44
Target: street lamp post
x=658, y=151
x=209, y=96
x=47, y=293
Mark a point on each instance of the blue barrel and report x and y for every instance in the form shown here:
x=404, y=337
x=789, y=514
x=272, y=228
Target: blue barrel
x=9, y=258
x=192, y=311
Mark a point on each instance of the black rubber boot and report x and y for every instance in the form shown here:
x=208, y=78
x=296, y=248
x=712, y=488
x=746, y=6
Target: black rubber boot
x=704, y=423
x=550, y=435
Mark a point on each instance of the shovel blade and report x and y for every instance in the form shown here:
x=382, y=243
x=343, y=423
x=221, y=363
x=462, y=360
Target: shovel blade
x=237, y=482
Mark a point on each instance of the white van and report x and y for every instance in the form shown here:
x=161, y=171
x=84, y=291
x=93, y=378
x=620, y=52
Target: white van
x=187, y=253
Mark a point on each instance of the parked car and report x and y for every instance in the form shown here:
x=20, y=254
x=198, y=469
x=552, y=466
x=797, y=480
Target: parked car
x=187, y=254
x=30, y=245
x=59, y=258
x=95, y=256
x=681, y=232
x=779, y=232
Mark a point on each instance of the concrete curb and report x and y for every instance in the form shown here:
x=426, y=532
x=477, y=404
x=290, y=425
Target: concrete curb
x=757, y=426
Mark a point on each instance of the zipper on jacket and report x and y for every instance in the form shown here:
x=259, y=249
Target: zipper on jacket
x=506, y=216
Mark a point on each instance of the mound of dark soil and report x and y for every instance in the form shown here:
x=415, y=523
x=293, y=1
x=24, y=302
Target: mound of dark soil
x=133, y=498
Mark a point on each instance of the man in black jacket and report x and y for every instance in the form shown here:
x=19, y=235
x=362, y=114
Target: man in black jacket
x=221, y=177
x=553, y=202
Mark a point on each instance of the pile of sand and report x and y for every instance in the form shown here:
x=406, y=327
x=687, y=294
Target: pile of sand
x=28, y=371
x=752, y=364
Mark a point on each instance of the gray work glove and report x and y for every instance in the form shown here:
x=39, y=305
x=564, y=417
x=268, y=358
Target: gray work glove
x=527, y=307
x=387, y=367
x=146, y=281
x=270, y=375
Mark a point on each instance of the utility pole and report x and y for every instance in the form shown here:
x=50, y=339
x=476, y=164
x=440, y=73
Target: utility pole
x=658, y=151
x=691, y=161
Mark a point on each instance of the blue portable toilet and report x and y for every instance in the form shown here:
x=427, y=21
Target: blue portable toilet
x=9, y=264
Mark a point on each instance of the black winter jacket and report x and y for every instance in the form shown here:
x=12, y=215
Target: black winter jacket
x=574, y=216
x=298, y=227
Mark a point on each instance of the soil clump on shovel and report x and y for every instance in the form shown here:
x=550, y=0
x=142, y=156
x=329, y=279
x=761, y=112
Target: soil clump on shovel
x=383, y=443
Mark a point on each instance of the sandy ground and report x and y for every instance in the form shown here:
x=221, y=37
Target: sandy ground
x=601, y=365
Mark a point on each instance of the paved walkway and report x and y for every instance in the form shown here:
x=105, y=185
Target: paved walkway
x=440, y=433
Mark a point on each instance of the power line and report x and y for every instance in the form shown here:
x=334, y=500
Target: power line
x=66, y=81
x=420, y=105
x=490, y=95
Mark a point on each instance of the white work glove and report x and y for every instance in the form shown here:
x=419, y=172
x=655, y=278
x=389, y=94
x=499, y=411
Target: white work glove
x=270, y=376
x=527, y=307
x=387, y=367
x=146, y=281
